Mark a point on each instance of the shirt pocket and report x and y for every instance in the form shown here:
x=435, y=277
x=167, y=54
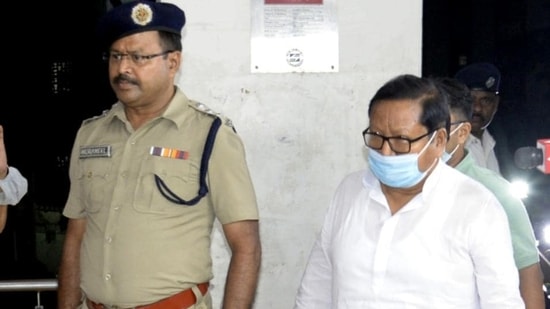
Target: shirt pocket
x=180, y=176
x=95, y=182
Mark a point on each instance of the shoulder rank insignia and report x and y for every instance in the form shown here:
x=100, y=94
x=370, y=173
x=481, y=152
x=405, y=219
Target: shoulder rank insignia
x=103, y=114
x=205, y=109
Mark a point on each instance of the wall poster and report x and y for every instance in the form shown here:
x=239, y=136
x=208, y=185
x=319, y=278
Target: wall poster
x=294, y=36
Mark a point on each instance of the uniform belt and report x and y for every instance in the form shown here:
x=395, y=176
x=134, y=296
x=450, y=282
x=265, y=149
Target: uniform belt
x=184, y=299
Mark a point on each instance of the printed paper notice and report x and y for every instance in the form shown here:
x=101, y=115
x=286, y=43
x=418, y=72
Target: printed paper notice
x=294, y=36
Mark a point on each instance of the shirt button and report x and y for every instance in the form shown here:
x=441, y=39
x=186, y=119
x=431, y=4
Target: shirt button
x=107, y=277
x=108, y=239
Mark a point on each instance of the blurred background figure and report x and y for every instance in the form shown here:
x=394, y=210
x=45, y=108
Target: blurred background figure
x=13, y=186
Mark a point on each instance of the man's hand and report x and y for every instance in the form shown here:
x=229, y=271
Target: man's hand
x=3, y=157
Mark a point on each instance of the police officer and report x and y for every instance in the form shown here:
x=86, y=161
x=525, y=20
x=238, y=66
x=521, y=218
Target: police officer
x=149, y=177
x=483, y=80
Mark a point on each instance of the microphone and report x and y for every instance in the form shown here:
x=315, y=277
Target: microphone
x=534, y=157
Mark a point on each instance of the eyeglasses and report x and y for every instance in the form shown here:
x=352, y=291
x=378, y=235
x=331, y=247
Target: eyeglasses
x=137, y=59
x=398, y=144
x=458, y=122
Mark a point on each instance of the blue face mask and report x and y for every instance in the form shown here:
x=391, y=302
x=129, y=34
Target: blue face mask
x=447, y=156
x=399, y=171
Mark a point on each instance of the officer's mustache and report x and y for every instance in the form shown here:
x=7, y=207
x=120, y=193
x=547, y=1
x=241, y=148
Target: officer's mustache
x=478, y=116
x=125, y=78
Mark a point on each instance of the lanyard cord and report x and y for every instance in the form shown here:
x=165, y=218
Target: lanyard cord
x=203, y=189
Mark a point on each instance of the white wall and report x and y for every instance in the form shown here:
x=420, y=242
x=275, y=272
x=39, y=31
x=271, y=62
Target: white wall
x=302, y=132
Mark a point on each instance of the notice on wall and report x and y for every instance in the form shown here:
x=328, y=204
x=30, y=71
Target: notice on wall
x=294, y=36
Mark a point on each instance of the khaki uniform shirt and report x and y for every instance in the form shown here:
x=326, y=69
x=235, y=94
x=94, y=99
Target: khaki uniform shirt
x=138, y=246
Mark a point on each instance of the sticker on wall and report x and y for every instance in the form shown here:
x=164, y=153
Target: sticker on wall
x=294, y=57
x=294, y=36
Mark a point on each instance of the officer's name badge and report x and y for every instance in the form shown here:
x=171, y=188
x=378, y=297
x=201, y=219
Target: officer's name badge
x=169, y=153
x=102, y=151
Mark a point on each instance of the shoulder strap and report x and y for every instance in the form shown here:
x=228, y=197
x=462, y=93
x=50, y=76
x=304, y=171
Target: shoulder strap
x=203, y=189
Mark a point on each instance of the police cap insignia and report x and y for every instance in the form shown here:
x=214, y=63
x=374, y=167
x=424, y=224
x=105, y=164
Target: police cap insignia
x=142, y=14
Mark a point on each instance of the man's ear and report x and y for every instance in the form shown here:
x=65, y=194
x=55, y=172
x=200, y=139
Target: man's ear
x=440, y=141
x=441, y=138
x=174, y=60
x=464, y=132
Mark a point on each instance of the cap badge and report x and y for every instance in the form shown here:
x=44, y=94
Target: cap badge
x=142, y=14
x=490, y=82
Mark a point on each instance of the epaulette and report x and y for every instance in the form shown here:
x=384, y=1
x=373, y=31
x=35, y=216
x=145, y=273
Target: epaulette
x=103, y=114
x=205, y=109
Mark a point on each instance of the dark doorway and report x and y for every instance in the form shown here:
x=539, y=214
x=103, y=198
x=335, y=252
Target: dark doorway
x=514, y=36
x=58, y=79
